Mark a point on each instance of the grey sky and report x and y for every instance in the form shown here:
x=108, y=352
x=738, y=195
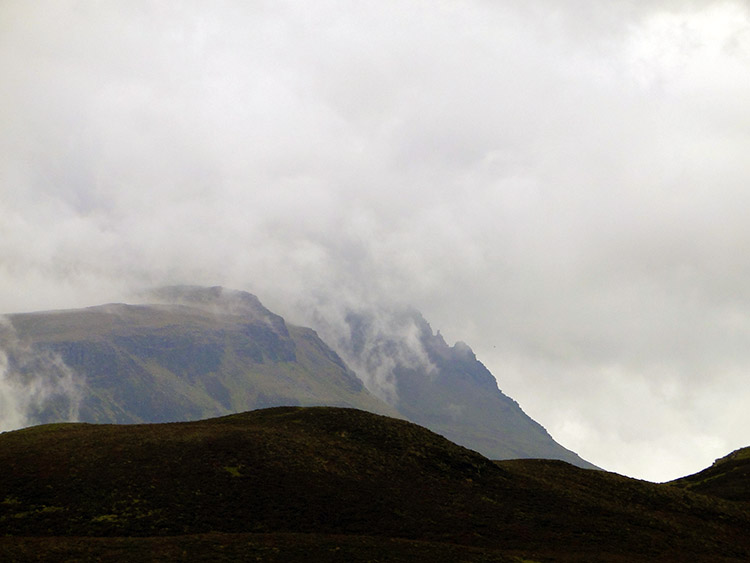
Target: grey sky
x=562, y=185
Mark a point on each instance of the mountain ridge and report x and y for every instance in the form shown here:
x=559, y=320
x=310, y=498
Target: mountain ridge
x=170, y=362
x=446, y=388
x=192, y=352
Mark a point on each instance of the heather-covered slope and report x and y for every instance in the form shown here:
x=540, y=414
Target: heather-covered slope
x=727, y=478
x=358, y=486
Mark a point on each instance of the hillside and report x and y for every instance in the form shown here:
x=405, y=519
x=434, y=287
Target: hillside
x=198, y=354
x=445, y=388
x=283, y=484
x=188, y=353
x=727, y=478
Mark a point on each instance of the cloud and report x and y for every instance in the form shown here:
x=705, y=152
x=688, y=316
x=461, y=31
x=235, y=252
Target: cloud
x=374, y=341
x=563, y=186
x=34, y=383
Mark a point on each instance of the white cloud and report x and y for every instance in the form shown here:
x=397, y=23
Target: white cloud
x=32, y=381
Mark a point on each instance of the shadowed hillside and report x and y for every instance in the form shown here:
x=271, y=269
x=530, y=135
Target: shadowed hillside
x=281, y=482
x=727, y=478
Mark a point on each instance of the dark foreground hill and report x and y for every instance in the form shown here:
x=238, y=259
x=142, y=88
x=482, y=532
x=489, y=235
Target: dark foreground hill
x=331, y=484
x=727, y=478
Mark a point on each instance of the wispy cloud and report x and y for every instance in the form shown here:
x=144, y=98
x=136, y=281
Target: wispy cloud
x=35, y=385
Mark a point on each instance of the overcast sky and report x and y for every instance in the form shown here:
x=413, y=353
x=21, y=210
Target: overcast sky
x=565, y=186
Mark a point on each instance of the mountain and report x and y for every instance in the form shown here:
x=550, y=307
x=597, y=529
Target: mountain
x=444, y=388
x=192, y=352
x=727, y=478
x=331, y=484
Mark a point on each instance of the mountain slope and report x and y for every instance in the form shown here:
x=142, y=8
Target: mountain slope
x=342, y=478
x=192, y=352
x=727, y=478
x=444, y=388
x=201, y=353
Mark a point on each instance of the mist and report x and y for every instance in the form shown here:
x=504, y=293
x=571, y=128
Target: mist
x=562, y=186
x=374, y=339
x=34, y=384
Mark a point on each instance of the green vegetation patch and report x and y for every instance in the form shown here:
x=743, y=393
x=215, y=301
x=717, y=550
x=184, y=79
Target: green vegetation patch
x=234, y=471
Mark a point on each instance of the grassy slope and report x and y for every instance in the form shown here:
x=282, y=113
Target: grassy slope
x=462, y=402
x=727, y=478
x=269, y=548
x=200, y=352
x=349, y=481
x=177, y=362
x=459, y=398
